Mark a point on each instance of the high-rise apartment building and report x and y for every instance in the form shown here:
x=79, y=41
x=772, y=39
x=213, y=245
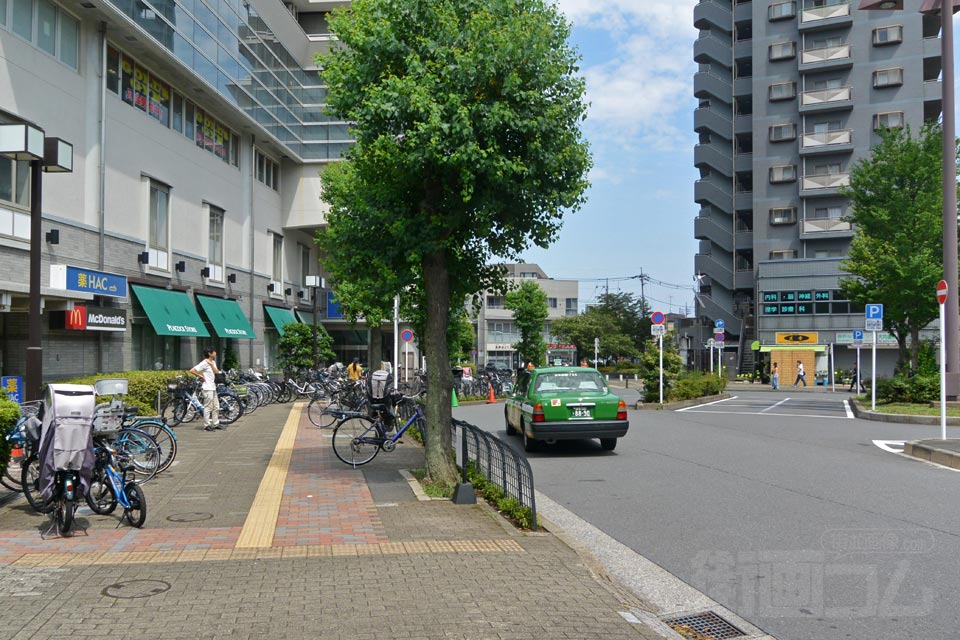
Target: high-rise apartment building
x=791, y=95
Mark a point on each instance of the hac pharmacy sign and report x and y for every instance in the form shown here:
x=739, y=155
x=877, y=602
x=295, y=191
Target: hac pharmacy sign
x=87, y=281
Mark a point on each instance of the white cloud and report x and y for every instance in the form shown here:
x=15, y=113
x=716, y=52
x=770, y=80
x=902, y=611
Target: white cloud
x=662, y=17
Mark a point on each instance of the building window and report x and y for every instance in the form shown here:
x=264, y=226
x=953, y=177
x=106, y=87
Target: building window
x=887, y=35
x=783, y=173
x=783, y=215
x=783, y=91
x=14, y=193
x=889, y=120
x=305, y=264
x=571, y=307
x=215, y=253
x=46, y=26
x=828, y=169
x=783, y=51
x=495, y=302
x=159, y=226
x=887, y=78
x=277, y=272
x=782, y=11
x=551, y=303
x=783, y=132
x=828, y=212
x=783, y=254
x=268, y=171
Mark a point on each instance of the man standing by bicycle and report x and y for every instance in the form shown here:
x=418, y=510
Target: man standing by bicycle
x=206, y=370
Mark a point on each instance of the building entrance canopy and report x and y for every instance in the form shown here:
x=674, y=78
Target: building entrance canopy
x=170, y=312
x=227, y=318
x=280, y=317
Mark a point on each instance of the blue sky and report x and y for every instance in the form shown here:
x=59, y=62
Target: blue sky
x=638, y=61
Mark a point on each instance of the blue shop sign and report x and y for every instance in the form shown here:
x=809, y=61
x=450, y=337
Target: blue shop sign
x=13, y=387
x=333, y=307
x=88, y=281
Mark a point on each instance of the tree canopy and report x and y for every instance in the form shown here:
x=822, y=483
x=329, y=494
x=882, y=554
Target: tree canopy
x=295, y=347
x=529, y=305
x=896, y=256
x=466, y=115
x=620, y=320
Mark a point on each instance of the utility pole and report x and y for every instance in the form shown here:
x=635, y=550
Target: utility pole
x=643, y=290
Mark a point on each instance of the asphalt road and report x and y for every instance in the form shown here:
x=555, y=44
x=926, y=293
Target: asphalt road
x=779, y=506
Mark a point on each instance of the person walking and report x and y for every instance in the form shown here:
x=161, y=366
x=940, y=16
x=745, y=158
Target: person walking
x=801, y=375
x=854, y=379
x=206, y=369
x=355, y=371
x=775, y=376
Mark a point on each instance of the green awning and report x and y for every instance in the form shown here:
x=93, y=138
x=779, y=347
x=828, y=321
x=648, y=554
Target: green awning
x=280, y=317
x=306, y=317
x=786, y=347
x=170, y=312
x=227, y=318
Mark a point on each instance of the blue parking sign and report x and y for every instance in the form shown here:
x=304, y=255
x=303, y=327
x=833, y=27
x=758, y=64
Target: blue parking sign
x=858, y=334
x=874, y=311
x=13, y=387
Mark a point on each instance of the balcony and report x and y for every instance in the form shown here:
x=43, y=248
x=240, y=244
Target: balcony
x=837, y=141
x=932, y=90
x=707, y=84
x=708, y=14
x=743, y=162
x=711, y=120
x=826, y=228
x=709, y=48
x=743, y=124
x=835, y=15
x=711, y=192
x=835, y=98
x=932, y=47
x=743, y=200
x=827, y=184
x=743, y=240
x=826, y=58
x=709, y=229
x=711, y=155
x=719, y=273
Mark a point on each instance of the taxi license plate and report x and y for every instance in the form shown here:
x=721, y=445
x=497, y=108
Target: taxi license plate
x=581, y=412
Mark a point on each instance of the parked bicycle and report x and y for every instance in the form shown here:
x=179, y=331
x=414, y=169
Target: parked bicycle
x=109, y=487
x=359, y=437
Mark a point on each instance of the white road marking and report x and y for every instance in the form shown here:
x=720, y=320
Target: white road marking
x=774, y=406
x=707, y=404
x=888, y=445
x=846, y=405
x=783, y=415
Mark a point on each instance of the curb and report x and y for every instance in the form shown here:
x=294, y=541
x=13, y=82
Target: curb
x=679, y=404
x=876, y=416
x=922, y=451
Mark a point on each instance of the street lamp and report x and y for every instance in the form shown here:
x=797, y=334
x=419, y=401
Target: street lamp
x=26, y=142
x=314, y=283
x=952, y=309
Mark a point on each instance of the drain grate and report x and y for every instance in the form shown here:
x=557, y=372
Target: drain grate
x=196, y=516
x=704, y=626
x=131, y=589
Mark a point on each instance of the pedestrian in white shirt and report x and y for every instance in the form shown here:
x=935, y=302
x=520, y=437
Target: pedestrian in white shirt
x=206, y=370
x=801, y=375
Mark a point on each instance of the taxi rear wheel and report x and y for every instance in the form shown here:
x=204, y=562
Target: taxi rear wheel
x=529, y=444
x=506, y=421
x=608, y=444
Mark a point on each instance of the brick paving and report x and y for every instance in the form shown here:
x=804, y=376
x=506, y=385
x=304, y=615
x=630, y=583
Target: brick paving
x=354, y=556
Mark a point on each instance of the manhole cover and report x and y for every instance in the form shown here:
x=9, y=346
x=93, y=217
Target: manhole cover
x=136, y=589
x=703, y=625
x=189, y=517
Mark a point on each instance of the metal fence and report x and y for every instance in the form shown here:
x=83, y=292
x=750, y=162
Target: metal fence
x=499, y=464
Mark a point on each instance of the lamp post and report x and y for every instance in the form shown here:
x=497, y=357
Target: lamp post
x=26, y=142
x=315, y=283
x=952, y=309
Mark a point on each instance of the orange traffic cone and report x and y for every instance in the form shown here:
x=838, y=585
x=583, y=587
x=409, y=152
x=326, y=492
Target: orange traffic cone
x=491, y=398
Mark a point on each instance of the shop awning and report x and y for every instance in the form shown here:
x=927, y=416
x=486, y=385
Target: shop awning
x=227, y=318
x=280, y=317
x=306, y=317
x=786, y=347
x=170, y=312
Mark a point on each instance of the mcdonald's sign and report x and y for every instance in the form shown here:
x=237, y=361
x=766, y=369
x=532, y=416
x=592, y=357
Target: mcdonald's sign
x=76, y=318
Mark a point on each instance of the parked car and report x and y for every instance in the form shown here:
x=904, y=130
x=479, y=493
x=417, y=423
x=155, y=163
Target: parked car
x=565, y=403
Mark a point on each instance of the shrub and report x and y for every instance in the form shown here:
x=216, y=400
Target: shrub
x=914, y=389
x=696, y=385
x=9, y=414
x=143, y=387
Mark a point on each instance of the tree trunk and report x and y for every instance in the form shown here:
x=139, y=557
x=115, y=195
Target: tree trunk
x=914, y=350
x=904, y=355
x=437, y=440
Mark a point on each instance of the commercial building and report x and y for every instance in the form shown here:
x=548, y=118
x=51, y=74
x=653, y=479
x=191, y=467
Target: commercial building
x=199, y=137
x=497, y=332
x=791, y=94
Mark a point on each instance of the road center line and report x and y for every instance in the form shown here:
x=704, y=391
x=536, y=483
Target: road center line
x=707, y=404
x=774, y=406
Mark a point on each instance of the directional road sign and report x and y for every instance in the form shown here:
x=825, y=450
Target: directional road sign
x=874, y=312
x=658, y=329
x=657, y=317
x=942, y=291
x=719, y=324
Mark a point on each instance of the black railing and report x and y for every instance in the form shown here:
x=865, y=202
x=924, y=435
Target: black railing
x=499, y=464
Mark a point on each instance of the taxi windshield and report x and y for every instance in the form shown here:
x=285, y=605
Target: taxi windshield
x=569, y=381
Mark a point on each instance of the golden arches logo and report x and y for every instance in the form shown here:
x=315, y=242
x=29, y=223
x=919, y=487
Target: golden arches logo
x=77, y=318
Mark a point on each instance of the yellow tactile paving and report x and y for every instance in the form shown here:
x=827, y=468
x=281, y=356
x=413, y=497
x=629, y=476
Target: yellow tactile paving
x=261, y=522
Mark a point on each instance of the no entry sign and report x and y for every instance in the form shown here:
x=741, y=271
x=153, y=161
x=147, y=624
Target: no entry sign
x=942, y=292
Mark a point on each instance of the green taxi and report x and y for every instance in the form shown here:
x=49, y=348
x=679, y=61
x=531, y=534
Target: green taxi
x=565, y=403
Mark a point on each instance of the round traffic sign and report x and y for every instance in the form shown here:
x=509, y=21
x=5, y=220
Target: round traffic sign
x=406, y=335
x=657, y=317
x=942, y=291
x=718, y=337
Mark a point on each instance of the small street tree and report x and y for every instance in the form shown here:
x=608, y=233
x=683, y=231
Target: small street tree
x=896, y=257
x=529, y=305
x=619, y=320
x=295, y=347
x=466, y=115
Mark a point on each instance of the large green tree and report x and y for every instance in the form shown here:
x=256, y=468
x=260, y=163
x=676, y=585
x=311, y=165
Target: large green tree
x=619, y=320
x=529, y=305
x=295, y=347
x=467, y=118
x=896, y=257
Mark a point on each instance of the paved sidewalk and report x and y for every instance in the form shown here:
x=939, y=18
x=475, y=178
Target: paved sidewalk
x=259, y=531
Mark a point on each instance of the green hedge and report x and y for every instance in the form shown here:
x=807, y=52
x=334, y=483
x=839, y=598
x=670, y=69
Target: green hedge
x=695, y=385
x=9, y=414
x=919, y=389
x=142, y=389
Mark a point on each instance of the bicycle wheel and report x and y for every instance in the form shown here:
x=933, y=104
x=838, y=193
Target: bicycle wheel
x=65, y=510
x=164, y=437
x=169, y=412
x=30, y=484
x=136, y=514
x=318, y=412
x=230, y=409
x=100, y=496
x=142, y=451
x=356, y=441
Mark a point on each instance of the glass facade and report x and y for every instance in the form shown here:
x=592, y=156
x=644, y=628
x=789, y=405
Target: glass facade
x=227, y=44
